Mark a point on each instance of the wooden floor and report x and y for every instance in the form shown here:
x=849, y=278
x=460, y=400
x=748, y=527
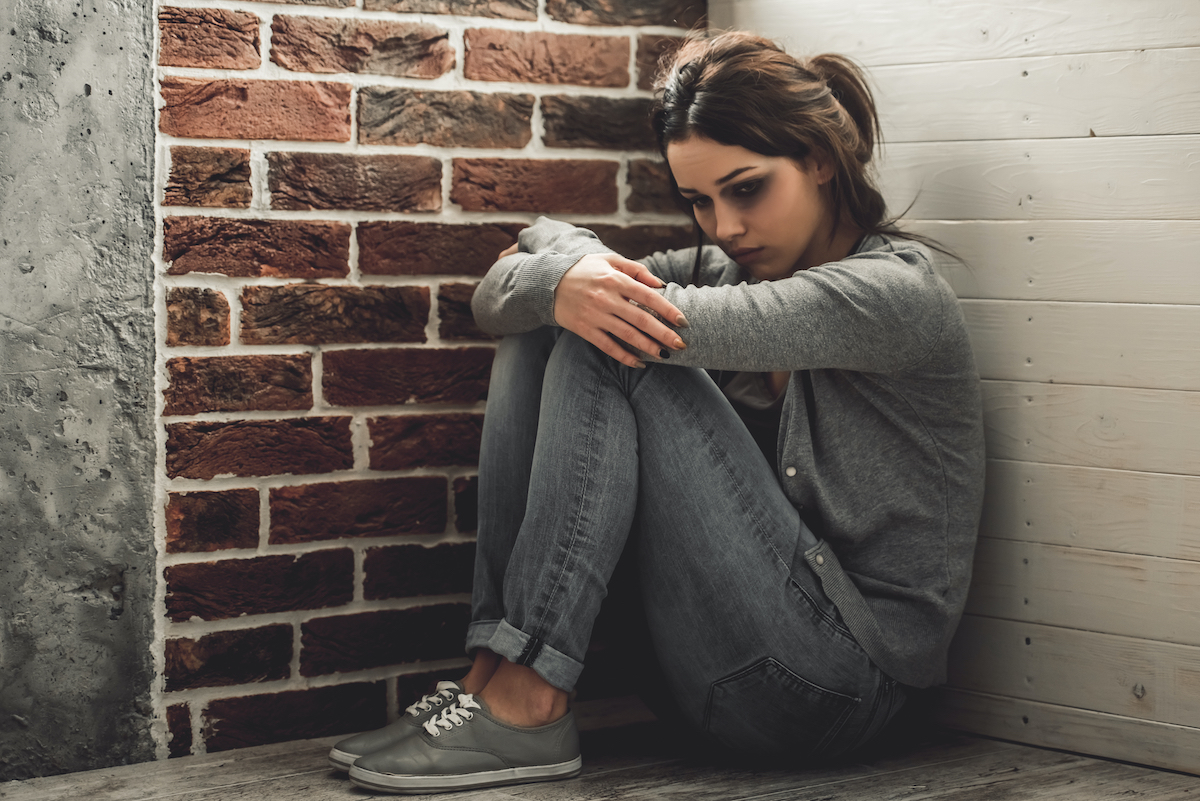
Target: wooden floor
x=638, y=762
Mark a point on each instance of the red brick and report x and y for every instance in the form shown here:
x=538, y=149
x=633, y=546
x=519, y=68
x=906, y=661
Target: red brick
x=651, y=50
x=565, y=186
x=537, y=57
x=650, y=182
x=332, y=3
x=197, y=317
x=639, y=241
x=303, y=111
x=455, y=320
x=382, y=47
x=466, y=503
x=263, y=585
x=363, y=183
x=229, y=657
x=424, y=440
x=212, y=521
x=410, y=375
x=614, y=123
x=404, y=571
x=212, y=38
x=294, y=715
x=259, y=447
x=209, y=176
x=284, y=248
x=410, y=248
x=374, y=639
x=179, y=730
x=238, y=384
x=345, y=509
x=504, y=9
x=389, y=115
x=315, y=314
x=672, y=13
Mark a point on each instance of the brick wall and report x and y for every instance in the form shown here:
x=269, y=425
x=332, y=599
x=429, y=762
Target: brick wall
x=333, y=178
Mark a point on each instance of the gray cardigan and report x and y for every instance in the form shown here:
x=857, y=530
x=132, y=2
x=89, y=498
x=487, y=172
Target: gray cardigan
x=889, y=455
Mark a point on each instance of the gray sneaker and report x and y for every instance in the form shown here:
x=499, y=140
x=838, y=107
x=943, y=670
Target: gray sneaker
x=466, y=747
x=343, y=754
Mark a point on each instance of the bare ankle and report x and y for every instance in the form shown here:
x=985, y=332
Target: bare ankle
x=519, y=696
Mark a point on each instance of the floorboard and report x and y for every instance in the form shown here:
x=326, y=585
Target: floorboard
x=641, y=762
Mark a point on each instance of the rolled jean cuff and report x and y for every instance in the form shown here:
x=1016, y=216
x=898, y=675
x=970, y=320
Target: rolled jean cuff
x=478, y=634
x=518, y=647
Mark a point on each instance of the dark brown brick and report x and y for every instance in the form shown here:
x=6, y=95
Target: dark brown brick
x=212, y=38
x=283, y=248
x=613, y=123
x=197, y=317
x=363, y=183
x=373, y=639
x=466, y=503
x=650, y=182
x=389, y=115
x=537, y=57
x=566, y=186
x=672, y=13
x=455, y=320
x=212, y=521
x=259, y=447
x=179, y=730
x=294, y=715
x=652, y=49
x=209, y=176
x=345, y=509
x=302, y=111
x=265, y=584
x=343, y=44
x=229, y=657
x=424, y=440
x=404, y=571
x=314, y=314
x=410, y=248
x=410, y=375
x=238, y=384
x=639, y=241
x=504, y=9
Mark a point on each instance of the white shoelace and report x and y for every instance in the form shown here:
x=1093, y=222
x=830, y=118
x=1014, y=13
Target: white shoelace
x=444, y=692
x=455, y=715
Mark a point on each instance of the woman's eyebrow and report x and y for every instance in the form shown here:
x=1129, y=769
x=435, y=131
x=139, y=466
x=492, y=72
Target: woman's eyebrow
x=720, y=181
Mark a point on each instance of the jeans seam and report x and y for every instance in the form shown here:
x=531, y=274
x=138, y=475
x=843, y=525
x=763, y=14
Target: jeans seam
x=558, y=581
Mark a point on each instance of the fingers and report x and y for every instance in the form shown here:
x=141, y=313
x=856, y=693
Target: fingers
x=637, y=271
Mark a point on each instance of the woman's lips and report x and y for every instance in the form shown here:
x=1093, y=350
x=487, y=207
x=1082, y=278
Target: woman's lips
x=743, y=255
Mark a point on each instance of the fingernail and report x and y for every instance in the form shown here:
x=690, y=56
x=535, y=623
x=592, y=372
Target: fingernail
x=663, y=353
x=681, y=321
x=679, y=344
x=640, y=365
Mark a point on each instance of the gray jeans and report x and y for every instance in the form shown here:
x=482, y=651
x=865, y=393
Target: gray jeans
x=578, y=451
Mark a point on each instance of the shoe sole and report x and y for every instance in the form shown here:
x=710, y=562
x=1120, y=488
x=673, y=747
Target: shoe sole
x=340, y=760
x=391, y=783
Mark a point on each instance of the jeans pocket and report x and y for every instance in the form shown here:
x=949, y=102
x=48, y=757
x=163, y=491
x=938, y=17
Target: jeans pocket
x=767, y=710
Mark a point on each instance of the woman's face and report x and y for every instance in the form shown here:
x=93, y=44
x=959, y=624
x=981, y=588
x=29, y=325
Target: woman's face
x=766, y=212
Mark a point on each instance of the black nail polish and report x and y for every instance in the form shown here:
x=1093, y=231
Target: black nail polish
x=663, y=353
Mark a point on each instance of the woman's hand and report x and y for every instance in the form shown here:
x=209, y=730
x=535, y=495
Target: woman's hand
x=595, y=299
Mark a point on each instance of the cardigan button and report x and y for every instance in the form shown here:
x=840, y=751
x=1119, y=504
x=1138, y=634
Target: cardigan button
x=820, y=559
x=791, y=471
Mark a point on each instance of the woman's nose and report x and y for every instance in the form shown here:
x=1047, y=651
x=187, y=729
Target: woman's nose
x=729, y=224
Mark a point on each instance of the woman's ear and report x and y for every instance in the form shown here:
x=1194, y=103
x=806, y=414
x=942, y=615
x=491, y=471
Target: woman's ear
x=824, y=167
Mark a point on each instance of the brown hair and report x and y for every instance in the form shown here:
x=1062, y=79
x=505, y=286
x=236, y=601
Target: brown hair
x=740, y=89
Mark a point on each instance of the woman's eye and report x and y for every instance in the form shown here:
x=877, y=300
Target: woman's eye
x=700, y=201
x=747, y=189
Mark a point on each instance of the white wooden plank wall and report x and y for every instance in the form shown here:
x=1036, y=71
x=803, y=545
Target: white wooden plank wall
x=1055, y=145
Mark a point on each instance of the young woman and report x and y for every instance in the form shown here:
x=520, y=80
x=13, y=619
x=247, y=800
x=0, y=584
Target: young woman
x=786, y=427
